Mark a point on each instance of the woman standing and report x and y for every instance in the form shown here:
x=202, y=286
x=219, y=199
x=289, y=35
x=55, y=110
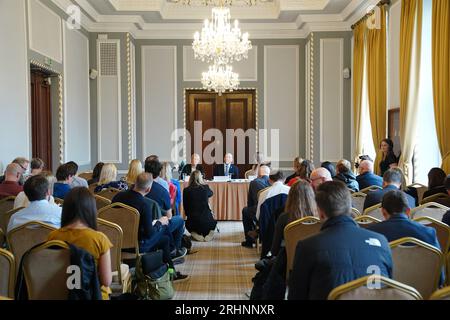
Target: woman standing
x=200, y=221
x=389, y=159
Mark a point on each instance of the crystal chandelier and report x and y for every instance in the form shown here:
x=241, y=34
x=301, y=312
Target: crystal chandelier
x=220, y=78
x=219, y=42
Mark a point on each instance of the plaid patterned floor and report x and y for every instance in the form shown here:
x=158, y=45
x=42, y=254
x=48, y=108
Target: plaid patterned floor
x=221, y=269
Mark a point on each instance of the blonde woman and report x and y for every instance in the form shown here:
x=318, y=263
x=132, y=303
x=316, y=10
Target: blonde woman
x=297, y=167
x=200, y=221
x=108, y=179
x=134, y=169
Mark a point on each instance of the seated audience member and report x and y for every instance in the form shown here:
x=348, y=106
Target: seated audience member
x=446, y=202
x=330, y=167
x=259, y=161
x=96, y=173
x=344, y=174
x=108, y=179
x=366, y=177
x=436, y=180
x=166, y=175
x=392, y=180
x=340, y=253
x=249, y=212
x=193, y=166
x=79, y=227
x=397, y=224
x=161, y=196
x=299, y=204
x=227, y=168
x=296, y=165
x=36, y=166
x=63, y=181
x=22, y=199
x=200, y=221
x=155, y=167
x=10, y=186
x=153, y=231
x=37, y=190
x=306, y=168
x=277, y=187
x=319, y=176
x=178, y=198
x=134, y=169
x=76, y=181
x=24, y=169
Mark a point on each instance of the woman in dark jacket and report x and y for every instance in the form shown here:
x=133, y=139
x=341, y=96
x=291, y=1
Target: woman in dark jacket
x=344, y=174
x=389, y=159
x=436, y=180
x=200, y=221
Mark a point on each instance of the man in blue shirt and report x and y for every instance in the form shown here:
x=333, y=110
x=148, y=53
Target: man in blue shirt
x=366, y=176
x=161, y=196
x=64, y=179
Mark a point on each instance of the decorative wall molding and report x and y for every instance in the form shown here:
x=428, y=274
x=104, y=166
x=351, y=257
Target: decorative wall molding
x=129, y=100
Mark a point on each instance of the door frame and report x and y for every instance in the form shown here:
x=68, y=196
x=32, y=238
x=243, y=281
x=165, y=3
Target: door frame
x=185, y=102
x=61, y=114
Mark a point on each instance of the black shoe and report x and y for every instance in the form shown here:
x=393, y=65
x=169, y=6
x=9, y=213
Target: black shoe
x=178, y=261
x=247, y=244
x=178, y=254
x=179, y=277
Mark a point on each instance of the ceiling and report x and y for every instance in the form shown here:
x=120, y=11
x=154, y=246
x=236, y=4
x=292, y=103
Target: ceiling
x=174, y=19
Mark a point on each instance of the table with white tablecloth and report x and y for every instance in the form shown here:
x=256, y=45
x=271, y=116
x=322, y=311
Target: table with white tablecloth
x=228, y=200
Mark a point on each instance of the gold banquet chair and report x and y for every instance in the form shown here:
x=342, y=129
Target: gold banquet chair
x=441, y=294
x=86, y=175
x=5, y=218
x=435, y=197
x=296, y=231
x=388, y=290
x=121, y=272
x=7, y=274
x=369, y=189
x=108, y=193
x=26, y=236
x=6, y=204
x=375, y=212
x=418, y=264
x=430, y=209
x=128, y=219
x=355, y=213
x=45, y=271
x=366, y=221
x=2, y=239
x=420, y=188
x=442, y=231
x=101, y=202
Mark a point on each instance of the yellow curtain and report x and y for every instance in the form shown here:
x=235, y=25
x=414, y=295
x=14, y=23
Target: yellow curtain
x=410, y=52
x=441, y=77
x=376, y=74
x=358, y=73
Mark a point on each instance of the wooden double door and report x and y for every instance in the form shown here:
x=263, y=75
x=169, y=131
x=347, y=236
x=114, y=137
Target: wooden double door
x=236, y=110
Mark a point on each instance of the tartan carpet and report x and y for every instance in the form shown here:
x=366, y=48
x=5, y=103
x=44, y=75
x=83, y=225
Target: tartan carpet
x=221, y=269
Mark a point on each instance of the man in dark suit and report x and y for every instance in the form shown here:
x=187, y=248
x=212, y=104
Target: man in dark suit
x=249, y=212
x=392, y=180
x=366, y=176
x=446, y=202
x=340, y=253
x=227, y=168
x=194, y=165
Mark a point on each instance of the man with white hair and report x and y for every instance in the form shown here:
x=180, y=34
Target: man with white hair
x=319, y=176
x=10, y=186
x=249, y=212
x=227, y=168
x=366, y=176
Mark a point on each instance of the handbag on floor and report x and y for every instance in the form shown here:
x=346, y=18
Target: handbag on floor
x=153, y=278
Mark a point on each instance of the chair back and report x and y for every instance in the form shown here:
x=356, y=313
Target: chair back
x=7, y=274
x=128, y=219
x=369, y=189
x=2, y=239
x=420, y=188
x=416, y=264
x=366, y=221
x=26, y=236
x=434, y=198
x=108, y=193
x=375, y=212
x=115, y=235
x=248, y=173
x=4, y=218
x=86, y=175
x=442, y=231
x=355, y=213
x=430, y=209
x=374, y=287
x=442, y=294
x=45, y=271
x=101, y=202
x=296, y=231
x=358, y=199
x=92, y=187
x=6, y=204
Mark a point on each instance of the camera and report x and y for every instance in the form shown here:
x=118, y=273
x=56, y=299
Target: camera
x=362, y=158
